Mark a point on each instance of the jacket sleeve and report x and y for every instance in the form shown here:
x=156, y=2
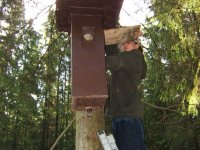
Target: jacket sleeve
x=144, y=70
x=134, y=63
x=131, y=62
x=113, y=62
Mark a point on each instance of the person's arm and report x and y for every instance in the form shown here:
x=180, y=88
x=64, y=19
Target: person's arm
x=129, y=62
x=134, y=63
x=113, y=62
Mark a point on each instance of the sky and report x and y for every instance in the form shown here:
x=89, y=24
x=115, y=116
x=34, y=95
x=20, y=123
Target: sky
x=133, y=12
x=37, y=10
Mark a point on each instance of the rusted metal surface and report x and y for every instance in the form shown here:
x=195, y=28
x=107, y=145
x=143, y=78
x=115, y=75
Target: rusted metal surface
x=108, y=9
x=89, y=85
x=95, y=102
x=85, y=20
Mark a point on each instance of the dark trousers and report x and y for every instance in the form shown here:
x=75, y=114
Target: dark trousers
x=128, y=133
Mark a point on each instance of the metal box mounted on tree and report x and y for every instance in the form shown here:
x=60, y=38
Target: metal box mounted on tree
x=86, y=20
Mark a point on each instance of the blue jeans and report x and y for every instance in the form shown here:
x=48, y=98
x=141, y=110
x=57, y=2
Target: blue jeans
x=128, y=133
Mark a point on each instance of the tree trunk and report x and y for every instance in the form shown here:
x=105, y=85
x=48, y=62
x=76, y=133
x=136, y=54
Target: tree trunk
x=86, y=129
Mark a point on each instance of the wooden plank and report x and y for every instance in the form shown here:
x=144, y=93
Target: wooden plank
x=119, y=35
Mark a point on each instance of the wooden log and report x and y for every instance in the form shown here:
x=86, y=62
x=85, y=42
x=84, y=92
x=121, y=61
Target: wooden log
x=120, y=35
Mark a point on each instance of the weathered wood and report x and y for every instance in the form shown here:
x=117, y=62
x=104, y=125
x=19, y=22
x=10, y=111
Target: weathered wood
x=86, y=129
x=119, y=35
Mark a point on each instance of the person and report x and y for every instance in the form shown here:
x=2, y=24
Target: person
x=128, y=68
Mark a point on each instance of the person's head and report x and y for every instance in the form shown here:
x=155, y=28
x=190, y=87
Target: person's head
x=129, y=45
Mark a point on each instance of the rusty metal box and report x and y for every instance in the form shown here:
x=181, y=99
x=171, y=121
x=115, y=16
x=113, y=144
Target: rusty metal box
x=89, y=85
x=86, y=20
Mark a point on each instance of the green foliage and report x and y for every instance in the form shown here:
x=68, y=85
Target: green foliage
x=34, y=82
x=35, y=79
x=173, y=75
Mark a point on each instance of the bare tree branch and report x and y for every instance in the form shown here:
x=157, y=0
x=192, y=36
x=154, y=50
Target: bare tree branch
x=57, y=140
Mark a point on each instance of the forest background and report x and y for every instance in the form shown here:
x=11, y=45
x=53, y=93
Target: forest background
x=35, y=79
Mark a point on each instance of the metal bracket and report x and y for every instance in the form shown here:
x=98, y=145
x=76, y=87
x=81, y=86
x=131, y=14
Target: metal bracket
x=89, y=111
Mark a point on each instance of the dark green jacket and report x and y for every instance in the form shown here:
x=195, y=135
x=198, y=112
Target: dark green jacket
x=127, y=69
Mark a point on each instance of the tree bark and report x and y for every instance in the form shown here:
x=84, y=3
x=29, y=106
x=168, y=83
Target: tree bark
x=86, y=129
